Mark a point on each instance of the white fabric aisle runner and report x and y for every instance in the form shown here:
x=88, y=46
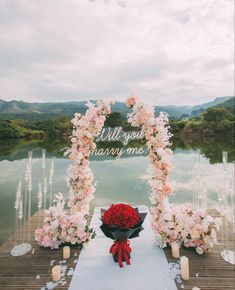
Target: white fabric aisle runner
x=96, y=269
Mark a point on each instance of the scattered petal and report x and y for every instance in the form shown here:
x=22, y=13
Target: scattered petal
x=197, y=274
x=63, y=283
x=174, y=272
x=38, y=276
x=70, y=272
x=33, y=251
x=75, y=254
x=51, y=285
x=179, y=280
x=63, y=270
x=182, y=286
x=52, y=262
x=196, y=288
x=75, y=261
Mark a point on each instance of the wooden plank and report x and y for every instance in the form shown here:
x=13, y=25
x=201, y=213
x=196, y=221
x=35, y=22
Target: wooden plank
x=20, y=272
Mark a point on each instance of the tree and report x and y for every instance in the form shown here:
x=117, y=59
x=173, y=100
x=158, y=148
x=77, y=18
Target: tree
x=216, y=115
x=10, y=130
x=114, y=120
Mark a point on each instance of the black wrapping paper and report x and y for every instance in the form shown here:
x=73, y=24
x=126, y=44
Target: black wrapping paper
x=121, y=234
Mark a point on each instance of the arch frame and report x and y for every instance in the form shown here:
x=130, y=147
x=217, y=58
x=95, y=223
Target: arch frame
x=171, y=223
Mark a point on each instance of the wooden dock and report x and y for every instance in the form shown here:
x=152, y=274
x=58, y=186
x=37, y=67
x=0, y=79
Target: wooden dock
x=208, y=272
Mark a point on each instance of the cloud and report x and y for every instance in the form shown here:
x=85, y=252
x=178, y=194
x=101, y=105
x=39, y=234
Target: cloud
x=167, y=53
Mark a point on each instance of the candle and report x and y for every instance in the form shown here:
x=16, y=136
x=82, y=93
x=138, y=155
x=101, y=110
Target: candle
x=56, y=275
x=184, y=268
x=66, y=252
x=175, y=251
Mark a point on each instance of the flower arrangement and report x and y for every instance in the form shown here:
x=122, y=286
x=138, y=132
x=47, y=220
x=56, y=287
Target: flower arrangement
x=71, y=226
x=61, y=227
x=121, y=215
x=156, y=130
x=201, y=230
x=192, y=228
x=80, y=177
x=120, y=223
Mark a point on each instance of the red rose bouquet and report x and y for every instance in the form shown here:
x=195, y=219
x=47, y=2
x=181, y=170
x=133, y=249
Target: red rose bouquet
x=120, y=223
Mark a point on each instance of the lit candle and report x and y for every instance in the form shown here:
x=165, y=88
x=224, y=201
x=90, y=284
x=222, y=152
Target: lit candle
x=56, y=274
x=66, y=252
x=184, y=268
x=175, y=250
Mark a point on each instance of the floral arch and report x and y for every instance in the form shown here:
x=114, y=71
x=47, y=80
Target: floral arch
x=87, y=128
x=192, y=228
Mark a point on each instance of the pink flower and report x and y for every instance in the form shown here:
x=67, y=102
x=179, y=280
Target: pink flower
x=171, y=223
x=199, y=213
x=167, y=188
x=196, y=231
x=131, y=101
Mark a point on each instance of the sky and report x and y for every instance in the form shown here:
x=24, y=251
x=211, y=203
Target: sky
x=166, y=52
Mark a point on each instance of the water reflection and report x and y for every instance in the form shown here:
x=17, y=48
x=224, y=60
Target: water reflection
x=123, y=180
x=209, y=148
x=15, y=149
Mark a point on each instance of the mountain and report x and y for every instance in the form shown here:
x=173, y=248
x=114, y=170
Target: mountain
x=174, y=111
x=196, y=110
x=229, y=105
x=39, y=111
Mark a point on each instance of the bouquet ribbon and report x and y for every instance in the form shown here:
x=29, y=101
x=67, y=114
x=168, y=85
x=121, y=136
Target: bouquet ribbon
x=121, y=249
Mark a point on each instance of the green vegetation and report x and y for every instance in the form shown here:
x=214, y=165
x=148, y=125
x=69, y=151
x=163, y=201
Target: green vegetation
x=114, y=120
x=18, y=129
x=228, y=105
x=216, y=123
x=60, y=128
x=211, y=132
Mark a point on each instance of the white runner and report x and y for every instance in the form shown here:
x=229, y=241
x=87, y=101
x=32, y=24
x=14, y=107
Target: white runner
x=96, y=269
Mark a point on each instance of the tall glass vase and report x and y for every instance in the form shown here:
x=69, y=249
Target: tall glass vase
x=228, y=253
x=22, y=246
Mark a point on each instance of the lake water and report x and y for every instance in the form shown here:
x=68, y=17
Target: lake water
x=123, y=180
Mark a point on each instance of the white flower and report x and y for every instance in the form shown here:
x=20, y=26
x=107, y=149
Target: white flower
x=184, y=234
x=160, y=152
x=80, y=156
x=167, y=216
x=170, y=225
x=70, y=231
x=73, y=241
x=199, y=250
